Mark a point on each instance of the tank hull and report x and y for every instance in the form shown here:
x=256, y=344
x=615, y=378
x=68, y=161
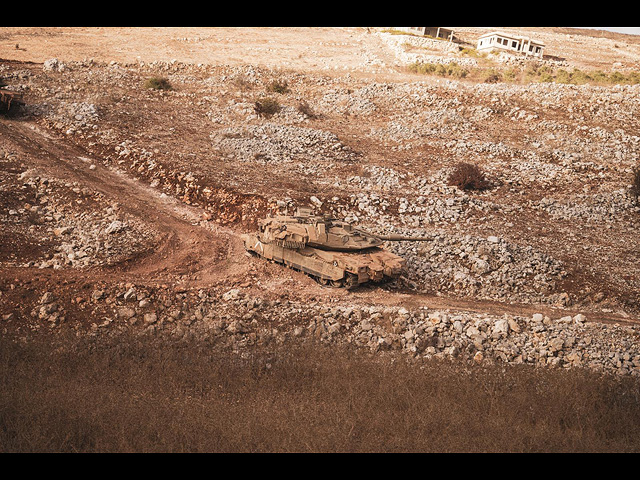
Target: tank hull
x=348, y=269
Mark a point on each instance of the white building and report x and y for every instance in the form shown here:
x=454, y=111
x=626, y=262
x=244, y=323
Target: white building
x=435, y=32
x=499, y=41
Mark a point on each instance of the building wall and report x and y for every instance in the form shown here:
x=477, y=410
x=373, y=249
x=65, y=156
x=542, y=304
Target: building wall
x=444, y=33
x=510, y=44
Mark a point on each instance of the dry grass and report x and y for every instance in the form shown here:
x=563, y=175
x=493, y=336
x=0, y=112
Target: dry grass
x=143, y=396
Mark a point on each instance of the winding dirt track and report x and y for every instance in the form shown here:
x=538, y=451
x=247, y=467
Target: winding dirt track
x=197, y=254
x=185, y=246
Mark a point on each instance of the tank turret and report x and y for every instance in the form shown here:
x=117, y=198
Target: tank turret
x=321, y=232
x=331, y=250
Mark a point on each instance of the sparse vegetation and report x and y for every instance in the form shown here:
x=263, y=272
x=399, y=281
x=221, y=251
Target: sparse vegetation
x=278, y=86
x=467, y=176
x=242, y=83
x=578, y=77
x=635, y=184
x=305, y=109
x=393, y=31
x=472, y=52
x=158, y=83
x=510, y=74
x=266, y=107
x=444, y=70
x=535, y=72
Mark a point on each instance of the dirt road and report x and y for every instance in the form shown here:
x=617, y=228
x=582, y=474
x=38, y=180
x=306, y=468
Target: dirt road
x=192, y=253
x=184, y=247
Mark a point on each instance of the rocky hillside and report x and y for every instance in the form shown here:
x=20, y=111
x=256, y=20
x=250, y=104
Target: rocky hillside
x=122, y=203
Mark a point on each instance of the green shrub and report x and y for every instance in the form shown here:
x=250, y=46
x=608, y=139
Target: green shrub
x=266, y=107
x=562, y=76
x=617, y=77
x=546, y=78
x=492, y=76
x=510, y=74
x=449, y=70
x=158, y=83
x=579, y=77
x=471, y=52
x=535, y=72
x=635, y=185
x=278, y=86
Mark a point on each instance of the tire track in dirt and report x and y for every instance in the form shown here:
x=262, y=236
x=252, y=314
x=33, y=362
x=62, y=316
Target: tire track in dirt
x=185, y=246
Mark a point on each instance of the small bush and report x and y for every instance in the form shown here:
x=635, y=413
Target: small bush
x=467, y=176
x=635, y=185
x=579, y=77
x=492, y=76
x=471, y=52
x=511, y=74
x=562, y=76
x=278, y=86
x=158, y=83
x=242, y=83
x=305, y=109
x=266, y=107
x=449, y=70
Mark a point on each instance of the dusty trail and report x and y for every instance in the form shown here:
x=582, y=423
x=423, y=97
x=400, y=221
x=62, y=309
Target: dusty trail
x=195, y=254
x=185, y=245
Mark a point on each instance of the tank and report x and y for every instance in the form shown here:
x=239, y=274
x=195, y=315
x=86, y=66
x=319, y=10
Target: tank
x=331, y=251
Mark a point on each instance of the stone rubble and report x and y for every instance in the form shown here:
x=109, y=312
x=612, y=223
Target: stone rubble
x=485, y=268
x=574, y=148
x=238, y=319
x=64, y=216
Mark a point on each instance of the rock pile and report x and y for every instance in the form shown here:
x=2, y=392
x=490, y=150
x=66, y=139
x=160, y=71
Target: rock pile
x=486, y=268
x=278, y=144
x=82, y=227
x=597, y=208
x=440, y=51
x=238, y=319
